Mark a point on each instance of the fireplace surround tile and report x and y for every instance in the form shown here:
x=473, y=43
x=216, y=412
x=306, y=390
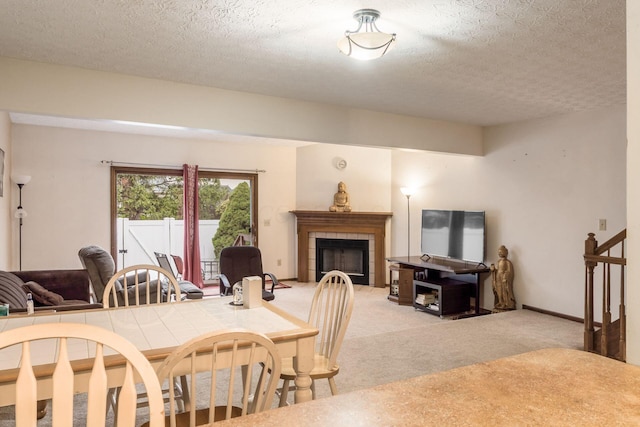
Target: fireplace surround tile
x=323, y=224
x=350, y=236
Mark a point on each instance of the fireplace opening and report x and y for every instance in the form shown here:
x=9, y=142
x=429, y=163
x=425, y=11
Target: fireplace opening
x=350, y=256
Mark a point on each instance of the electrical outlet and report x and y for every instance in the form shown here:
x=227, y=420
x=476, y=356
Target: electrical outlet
x=279, y=262
x=602, y=225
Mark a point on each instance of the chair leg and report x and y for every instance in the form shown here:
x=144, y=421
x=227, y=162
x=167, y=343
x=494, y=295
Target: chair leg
x=313, y=390
x=179, y=393
x=332, y=386
x=284, y=393
x=186, y=400
x=112, y=403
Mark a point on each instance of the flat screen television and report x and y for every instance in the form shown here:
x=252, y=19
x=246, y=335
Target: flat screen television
x=453, y=234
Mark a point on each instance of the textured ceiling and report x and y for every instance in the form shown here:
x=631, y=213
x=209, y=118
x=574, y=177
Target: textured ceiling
x=482, y=62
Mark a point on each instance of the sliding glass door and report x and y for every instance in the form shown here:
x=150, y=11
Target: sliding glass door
x=147, y=209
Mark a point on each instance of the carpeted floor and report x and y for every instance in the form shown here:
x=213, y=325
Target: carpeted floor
x=386, y=342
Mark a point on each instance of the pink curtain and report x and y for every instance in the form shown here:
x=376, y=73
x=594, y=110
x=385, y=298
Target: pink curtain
x=192, y=271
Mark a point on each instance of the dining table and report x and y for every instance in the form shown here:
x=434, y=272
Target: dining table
x=156, y=330
x=548, y=387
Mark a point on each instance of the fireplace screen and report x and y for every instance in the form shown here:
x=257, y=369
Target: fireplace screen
x=347, y=255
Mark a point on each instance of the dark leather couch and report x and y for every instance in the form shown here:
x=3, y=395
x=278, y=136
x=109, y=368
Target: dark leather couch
x=59, y=290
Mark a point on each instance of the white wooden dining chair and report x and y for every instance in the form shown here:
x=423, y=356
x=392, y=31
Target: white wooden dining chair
x=237, y=370
x=142, y=284
x=330, y=313
x=103, y=344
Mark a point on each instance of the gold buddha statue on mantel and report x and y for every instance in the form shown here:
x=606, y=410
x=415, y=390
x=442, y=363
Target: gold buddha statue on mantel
x=341, y=199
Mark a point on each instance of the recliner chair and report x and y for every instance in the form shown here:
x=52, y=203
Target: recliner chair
x=101, y=267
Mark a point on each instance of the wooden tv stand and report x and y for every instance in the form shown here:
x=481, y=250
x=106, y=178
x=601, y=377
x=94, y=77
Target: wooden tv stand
x=446, y=278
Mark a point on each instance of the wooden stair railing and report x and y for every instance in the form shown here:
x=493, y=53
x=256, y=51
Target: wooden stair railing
x=610, y=339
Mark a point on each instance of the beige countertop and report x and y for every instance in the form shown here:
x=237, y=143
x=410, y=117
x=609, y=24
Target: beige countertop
x=559, y=387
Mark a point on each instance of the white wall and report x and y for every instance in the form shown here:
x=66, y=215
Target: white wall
x=543, y=184
x=440, y=181
x=532, y=181
x=633, y=177
x=367, y=176
x=5, y=201
x=68, y=198
x=538, y=183
x=39, y=88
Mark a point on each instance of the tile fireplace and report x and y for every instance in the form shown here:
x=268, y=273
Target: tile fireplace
x=367, y=226
x=348, y=255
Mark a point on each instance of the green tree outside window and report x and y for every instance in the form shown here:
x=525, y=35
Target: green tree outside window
x=235, y=219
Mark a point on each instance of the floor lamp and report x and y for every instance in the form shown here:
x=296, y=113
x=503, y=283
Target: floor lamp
x=21, y=180
x=407, y=191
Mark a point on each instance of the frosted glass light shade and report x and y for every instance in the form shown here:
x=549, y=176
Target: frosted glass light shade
x=371, y=43
x=366, y=46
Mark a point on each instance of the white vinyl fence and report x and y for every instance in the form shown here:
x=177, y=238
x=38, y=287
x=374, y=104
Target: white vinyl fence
x=139, y=239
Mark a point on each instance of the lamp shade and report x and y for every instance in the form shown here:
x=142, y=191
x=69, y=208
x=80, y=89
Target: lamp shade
x=369, y=44
x=366, y=46
x=407, y=191
x=21, y=179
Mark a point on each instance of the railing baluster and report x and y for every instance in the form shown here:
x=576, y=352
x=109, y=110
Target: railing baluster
x=593, y=256
x=589, y=249
x=606, y=314
x=622, y=343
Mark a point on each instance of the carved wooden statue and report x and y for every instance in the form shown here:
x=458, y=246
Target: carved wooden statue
x=341, y=199
x=502, y=275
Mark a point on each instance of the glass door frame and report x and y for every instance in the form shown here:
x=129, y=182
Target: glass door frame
x=243, y=176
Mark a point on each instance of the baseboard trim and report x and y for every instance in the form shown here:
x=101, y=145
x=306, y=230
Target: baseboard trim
x=553, y=313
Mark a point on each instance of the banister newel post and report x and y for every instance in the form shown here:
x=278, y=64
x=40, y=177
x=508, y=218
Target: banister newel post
x=590, y=245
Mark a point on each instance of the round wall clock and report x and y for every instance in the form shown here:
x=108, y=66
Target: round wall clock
x=341, y=163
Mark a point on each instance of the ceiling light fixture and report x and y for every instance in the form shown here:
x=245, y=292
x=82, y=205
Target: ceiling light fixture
x=369, y=44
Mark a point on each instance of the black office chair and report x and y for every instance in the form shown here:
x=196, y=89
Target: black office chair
x=237, y=262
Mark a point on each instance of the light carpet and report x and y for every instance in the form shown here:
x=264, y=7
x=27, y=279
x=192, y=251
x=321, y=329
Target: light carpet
x=387, y=342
